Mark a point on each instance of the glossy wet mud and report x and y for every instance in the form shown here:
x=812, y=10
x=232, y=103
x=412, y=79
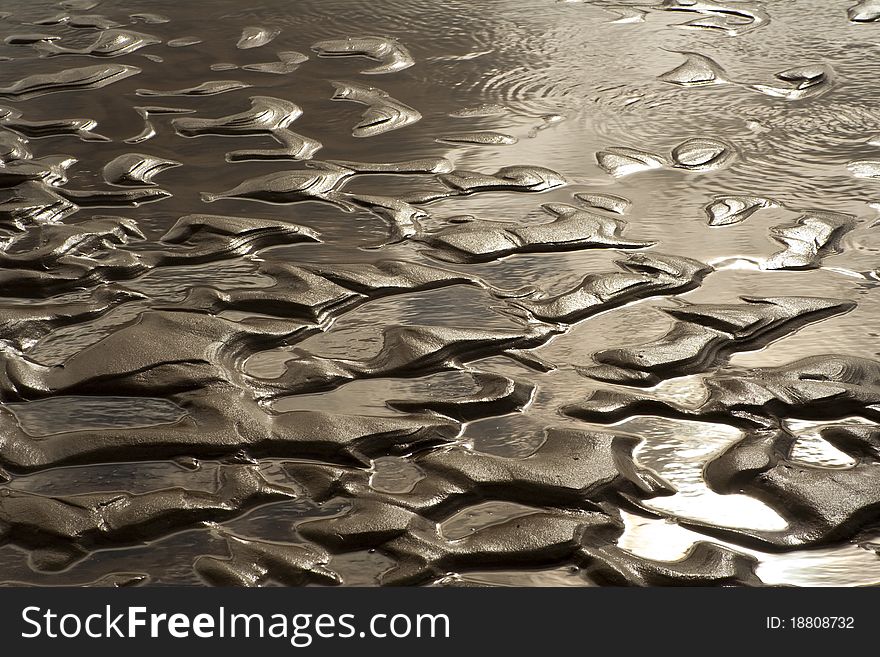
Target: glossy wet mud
x=337, y=292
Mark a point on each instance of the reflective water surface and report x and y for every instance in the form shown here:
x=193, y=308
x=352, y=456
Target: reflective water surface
x=481, y=292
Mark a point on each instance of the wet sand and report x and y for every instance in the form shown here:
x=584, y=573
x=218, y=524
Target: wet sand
x=472, y=293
